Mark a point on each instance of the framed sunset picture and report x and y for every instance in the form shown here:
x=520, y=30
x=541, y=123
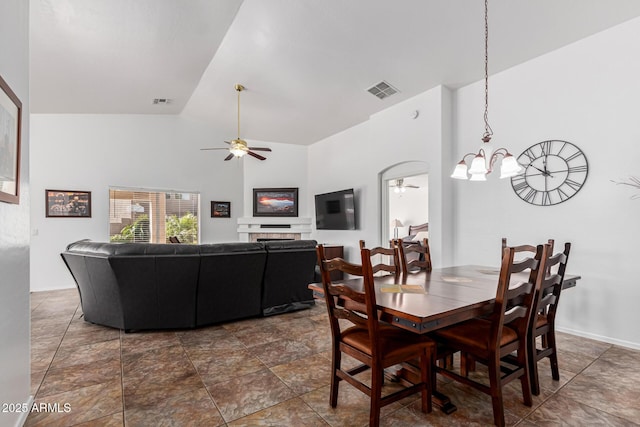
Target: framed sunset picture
x=275, y=202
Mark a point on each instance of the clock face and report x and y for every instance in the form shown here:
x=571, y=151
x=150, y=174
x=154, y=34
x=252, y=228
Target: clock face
x=554, y=172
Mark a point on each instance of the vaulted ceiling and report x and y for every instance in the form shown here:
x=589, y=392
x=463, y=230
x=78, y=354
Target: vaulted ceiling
x=306, y=64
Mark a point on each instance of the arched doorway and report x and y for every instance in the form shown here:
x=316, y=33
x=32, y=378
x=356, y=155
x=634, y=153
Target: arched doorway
x=411, y=206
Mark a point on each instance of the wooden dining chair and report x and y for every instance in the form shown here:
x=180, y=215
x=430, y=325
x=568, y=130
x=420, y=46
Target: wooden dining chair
x=544, y=317
x=525, y=248
x=357, y=332
x=491, y=340
x=415, y=256
x=467, y=363
x=391, y=255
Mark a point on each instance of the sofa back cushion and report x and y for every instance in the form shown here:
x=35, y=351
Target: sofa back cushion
x=289, y=270
x=229, y=286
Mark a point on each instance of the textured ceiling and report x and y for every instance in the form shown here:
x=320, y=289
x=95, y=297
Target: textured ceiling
x=306, y=64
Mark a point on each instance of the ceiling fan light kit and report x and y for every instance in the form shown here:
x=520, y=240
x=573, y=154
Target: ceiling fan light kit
x=238, y=147
x=400, y=187
x=484, y=160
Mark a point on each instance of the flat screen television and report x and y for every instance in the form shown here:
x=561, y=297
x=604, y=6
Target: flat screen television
x=336, y=210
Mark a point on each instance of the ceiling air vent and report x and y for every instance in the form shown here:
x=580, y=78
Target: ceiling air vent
x=161, y=101
x=382, y=90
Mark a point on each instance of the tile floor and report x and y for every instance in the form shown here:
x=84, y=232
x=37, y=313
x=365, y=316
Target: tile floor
x=275, y=371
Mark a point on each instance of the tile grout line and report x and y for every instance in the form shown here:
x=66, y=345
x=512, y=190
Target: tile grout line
x=585, y=404
x=569, y=381
x=35, y=395
x=124, y=422
x=200, y=378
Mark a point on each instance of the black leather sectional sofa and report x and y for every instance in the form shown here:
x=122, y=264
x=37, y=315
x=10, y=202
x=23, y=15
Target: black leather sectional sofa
x=135, y=286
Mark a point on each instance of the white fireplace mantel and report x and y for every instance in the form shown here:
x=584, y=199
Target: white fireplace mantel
x=273, y=226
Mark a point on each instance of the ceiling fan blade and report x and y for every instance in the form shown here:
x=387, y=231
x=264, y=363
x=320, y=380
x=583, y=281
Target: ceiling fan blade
x=229, y=157
x=228, y=142
x=257, y=156
x=411, y=186
x=221, y=148
x=259, y=148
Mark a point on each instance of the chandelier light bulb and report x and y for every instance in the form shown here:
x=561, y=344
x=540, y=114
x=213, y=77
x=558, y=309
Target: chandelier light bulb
x=509, y=167
x=460, y=172
x=478, y=165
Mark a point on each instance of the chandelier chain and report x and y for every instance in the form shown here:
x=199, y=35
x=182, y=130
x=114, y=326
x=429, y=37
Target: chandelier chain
x=488, y=132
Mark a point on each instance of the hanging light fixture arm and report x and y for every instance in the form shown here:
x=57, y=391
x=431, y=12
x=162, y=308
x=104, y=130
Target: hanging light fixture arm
x=484, y=161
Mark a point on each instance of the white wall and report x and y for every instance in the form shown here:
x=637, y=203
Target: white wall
x=355, y=157
x=285, y=167
x=93, y=152
x=14, y=224
x=586, y=93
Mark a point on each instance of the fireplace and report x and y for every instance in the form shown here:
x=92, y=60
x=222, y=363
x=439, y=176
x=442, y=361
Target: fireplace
x=254, y=229
x=271, y=239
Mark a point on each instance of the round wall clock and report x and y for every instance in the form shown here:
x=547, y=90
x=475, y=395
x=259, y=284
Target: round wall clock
x=554, y=172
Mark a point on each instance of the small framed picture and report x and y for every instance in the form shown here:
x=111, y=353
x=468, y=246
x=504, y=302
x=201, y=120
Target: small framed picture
x=10, y=124
x=220, y=209
x=67, y=203
x=275, y=202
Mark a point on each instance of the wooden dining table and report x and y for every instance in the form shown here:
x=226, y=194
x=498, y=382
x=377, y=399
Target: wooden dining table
x=423, y=301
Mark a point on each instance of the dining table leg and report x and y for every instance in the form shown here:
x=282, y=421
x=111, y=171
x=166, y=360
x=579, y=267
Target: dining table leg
x=411, y=373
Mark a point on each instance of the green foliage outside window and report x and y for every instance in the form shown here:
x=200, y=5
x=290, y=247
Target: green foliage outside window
x=184, y=228
x=136, y=232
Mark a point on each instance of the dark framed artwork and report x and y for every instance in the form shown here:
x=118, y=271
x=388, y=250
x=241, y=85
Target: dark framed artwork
x=68, y=204
x=275, y=202
x=10, y=120
x=220, y=209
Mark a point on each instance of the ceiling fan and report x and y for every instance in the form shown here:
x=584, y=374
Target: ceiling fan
x=400, y=187
x=238, y=147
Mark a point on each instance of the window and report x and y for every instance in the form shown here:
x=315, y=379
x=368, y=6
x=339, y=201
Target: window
x=139, y=215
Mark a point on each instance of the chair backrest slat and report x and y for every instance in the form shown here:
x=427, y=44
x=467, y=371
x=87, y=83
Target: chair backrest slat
x=390, y=254
x=550, y=288
x=414, y=255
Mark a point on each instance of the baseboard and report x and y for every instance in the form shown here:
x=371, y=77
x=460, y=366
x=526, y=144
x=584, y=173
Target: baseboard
x=23, y=415
x=622, y=343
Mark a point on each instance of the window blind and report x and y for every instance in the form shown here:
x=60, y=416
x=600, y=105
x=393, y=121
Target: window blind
x=152, y=216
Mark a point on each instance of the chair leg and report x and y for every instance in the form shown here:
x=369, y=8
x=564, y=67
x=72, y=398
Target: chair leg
x=532, y=369
x=523, y=360
x=496, y=392
x=467, y=364
x=553, y=357
x=335, y=381
x=376, y=395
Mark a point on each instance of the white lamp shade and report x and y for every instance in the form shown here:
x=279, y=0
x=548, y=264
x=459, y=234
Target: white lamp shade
x=397, y=223
x=478, y=166
x=238, y=152
x=510, y=167
x=460, y=172
x=478, y=177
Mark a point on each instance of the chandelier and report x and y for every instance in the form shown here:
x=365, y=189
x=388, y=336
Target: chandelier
x=485, y=159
